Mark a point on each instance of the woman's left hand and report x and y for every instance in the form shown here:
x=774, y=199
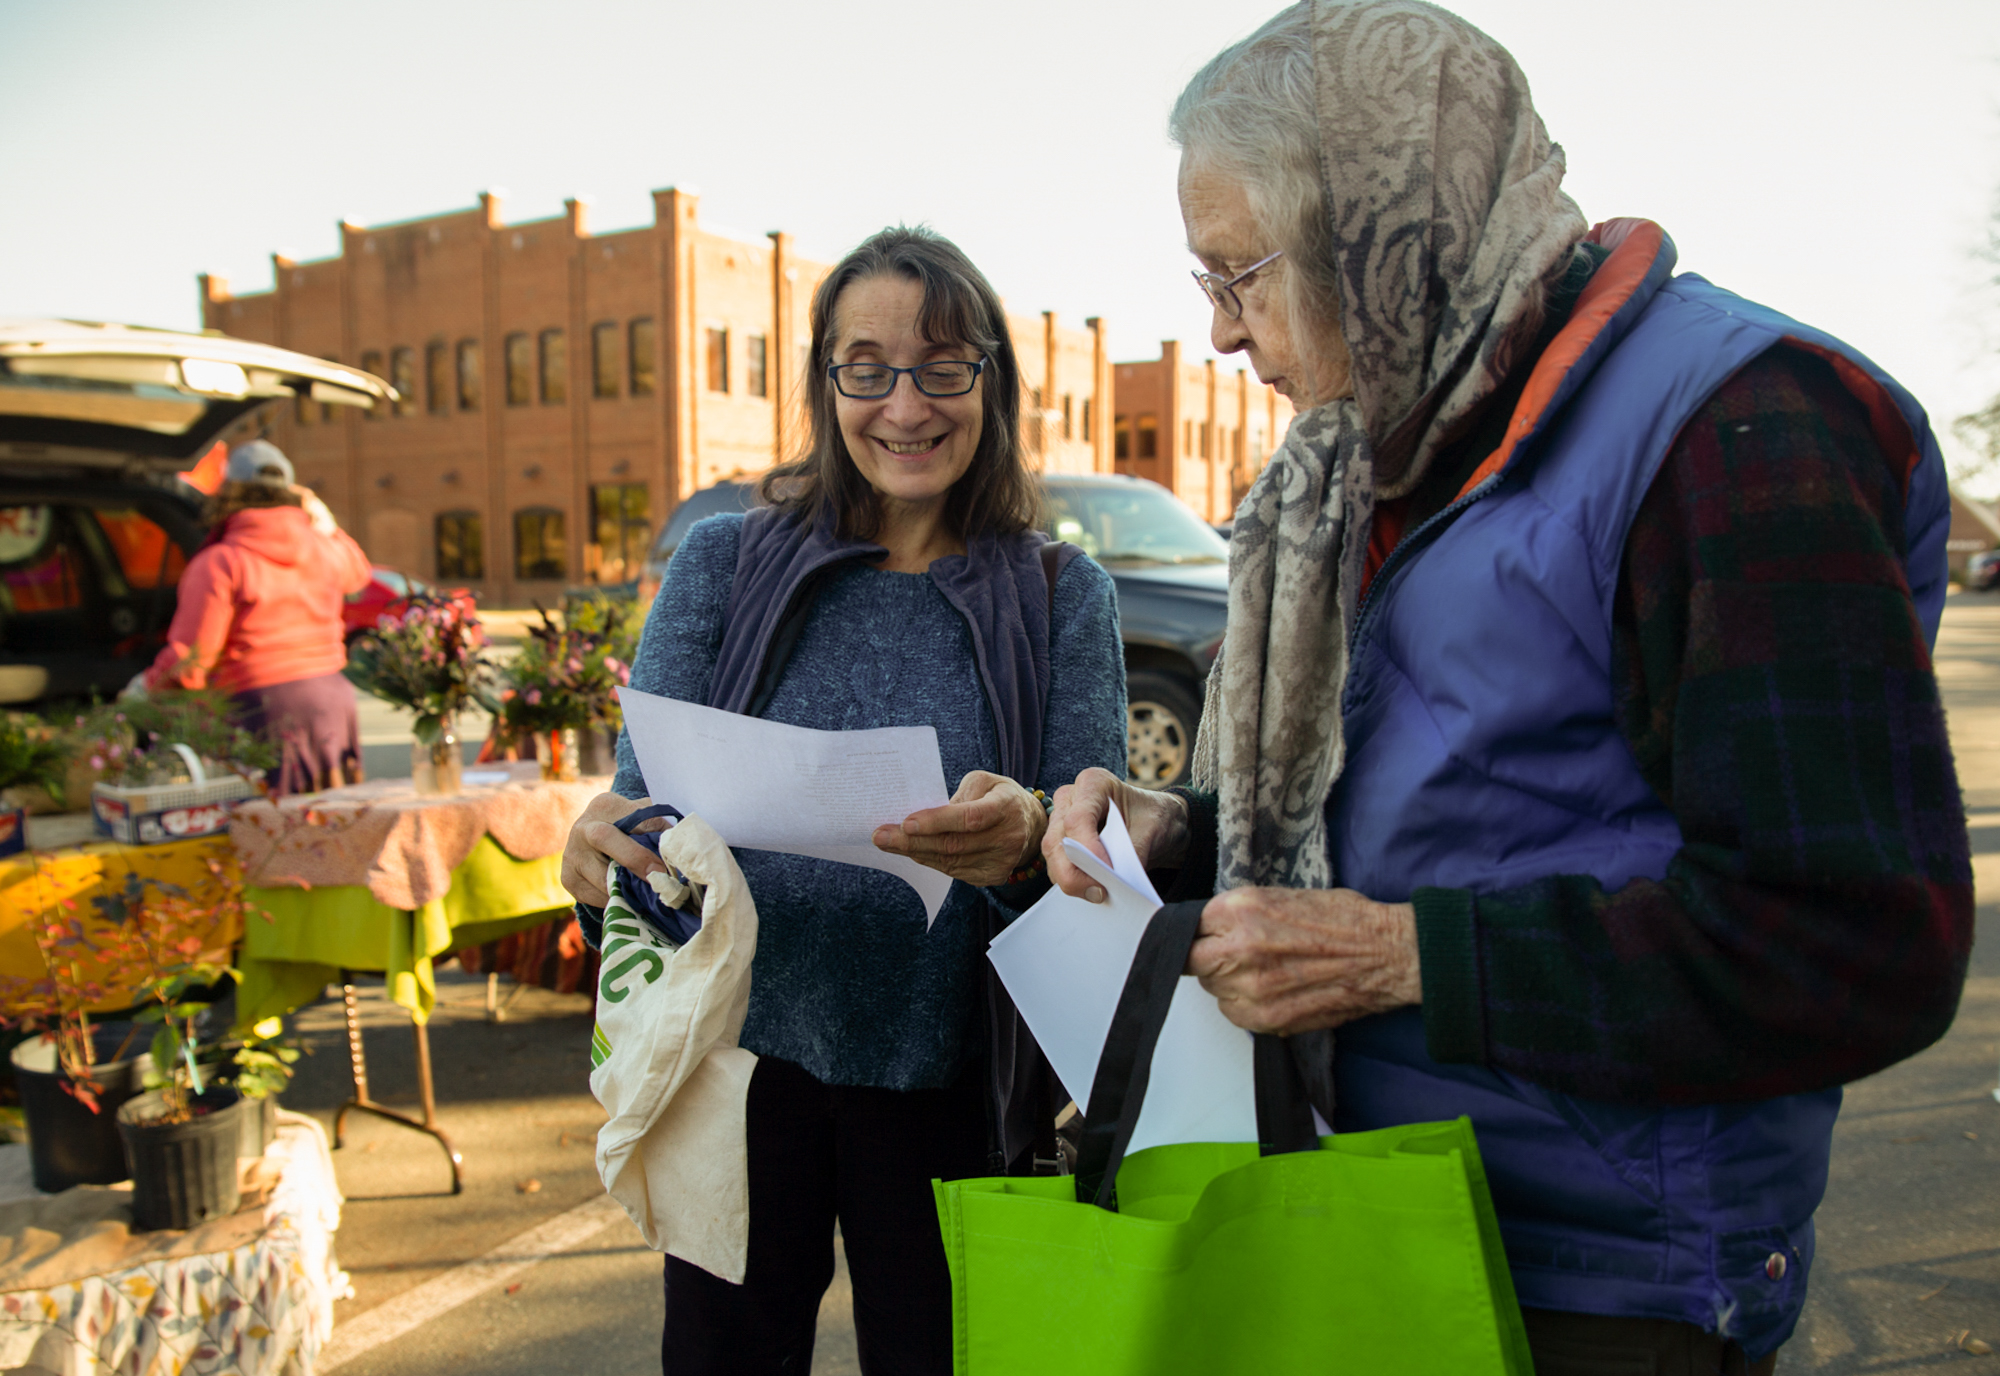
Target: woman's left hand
x=1293, y=960
x=991, y=827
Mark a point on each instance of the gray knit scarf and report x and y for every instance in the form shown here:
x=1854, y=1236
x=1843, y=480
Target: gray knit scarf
x=1447, y=220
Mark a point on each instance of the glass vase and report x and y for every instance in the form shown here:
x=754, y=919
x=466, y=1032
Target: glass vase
x=558, y=751
x=435, y=766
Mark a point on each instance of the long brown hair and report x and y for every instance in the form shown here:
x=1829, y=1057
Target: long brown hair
x=231, y=498
x=997, y=495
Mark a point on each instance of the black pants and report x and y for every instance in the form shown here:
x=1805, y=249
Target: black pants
x=1597, y=1345
x=819, y=1153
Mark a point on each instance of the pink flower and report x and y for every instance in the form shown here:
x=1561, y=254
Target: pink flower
x=575, y=665
x=611, y=662
x=97, y=762
x=534, y=697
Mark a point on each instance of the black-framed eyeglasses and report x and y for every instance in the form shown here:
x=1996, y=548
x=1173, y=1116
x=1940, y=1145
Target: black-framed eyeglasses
x=1223, y=294
x=873, y=381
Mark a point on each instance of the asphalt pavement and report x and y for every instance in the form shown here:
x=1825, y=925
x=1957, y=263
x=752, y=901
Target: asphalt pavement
x=521, y=1274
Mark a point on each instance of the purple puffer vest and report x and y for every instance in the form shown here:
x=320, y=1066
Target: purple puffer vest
x=1483, y=753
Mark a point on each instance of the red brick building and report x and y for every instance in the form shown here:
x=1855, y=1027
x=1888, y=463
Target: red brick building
x=562, y=391
x=1195, y=429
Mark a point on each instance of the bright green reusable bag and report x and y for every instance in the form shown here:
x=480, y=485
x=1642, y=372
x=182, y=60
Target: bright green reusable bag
x=1376, y=1252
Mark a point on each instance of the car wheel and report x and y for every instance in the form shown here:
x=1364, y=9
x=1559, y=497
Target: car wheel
x=1161, y=713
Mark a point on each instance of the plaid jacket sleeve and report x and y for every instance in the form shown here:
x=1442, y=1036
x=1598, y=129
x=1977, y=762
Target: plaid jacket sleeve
x=1774, y=686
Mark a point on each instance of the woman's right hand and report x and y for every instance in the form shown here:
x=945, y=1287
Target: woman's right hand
x=1158, y=823
x=595, y=840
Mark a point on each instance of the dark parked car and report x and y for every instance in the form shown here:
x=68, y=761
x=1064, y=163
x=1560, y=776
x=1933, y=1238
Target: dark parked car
x=1172, y=572
x=96, y=422
x=710, y=501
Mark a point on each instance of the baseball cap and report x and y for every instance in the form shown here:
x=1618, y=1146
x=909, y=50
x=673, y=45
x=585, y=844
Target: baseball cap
x=259, y=461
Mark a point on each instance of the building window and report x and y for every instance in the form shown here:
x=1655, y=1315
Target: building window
x=1187, y=437
x=540, y=551
x=305, y=406
x=1121, y=435
x=1089, y=431
x=555, y=368
x=620, y=532
x=639, y=354
x=1146, y=437
x=718, y=360
x=461, y=545
x=1068, y=432
x=371, y=362
x=520, y=370
x=753, y=366
x=437, y=378
x=470, y=377
x=604, y=359
x=403, y=377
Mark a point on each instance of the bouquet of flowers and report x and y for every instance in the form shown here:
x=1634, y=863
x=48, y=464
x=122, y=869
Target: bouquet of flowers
x=431, y=658
x=567, y=674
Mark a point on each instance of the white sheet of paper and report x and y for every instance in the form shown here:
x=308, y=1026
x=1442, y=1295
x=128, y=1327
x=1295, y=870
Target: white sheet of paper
x=1064, y=963
x=764, y=785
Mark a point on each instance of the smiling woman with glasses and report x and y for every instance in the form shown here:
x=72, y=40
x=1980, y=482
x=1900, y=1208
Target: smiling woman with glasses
x=891, y=578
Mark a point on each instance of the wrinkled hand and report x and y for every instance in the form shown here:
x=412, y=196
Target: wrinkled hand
x=594, y=841
x=1291, y=960
x=990, y=828
x=1157, y=823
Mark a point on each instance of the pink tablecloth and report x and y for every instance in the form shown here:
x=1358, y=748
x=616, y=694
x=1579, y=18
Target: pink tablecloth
x=401, y=846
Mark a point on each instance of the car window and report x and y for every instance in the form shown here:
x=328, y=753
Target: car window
x=393, y=581
x=40, y=571
x=1132, y=523
x=146, y=554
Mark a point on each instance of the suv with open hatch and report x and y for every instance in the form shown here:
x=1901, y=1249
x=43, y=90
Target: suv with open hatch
x=97, y=422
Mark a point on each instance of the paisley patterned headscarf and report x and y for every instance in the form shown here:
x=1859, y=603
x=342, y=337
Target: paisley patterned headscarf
x=1446, y=222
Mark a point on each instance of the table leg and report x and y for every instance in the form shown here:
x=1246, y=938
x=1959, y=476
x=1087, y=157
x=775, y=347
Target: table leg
x=358, y=1060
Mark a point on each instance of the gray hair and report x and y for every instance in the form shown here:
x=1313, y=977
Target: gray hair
x=1252, y=114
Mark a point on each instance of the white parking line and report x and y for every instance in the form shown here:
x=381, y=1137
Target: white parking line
x=389, y=1321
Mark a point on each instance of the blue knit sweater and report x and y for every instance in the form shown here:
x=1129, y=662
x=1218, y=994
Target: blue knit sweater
x=847, y=983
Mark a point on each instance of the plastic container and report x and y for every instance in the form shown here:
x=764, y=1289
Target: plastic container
x=67, y=1143
x=153, y=814
x=183, y=1174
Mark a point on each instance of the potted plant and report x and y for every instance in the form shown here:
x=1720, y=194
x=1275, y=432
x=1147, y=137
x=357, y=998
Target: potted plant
x=75, y=1072
x=207, y=1101
x=430, y=658
x=170, y=765
x=30, y=758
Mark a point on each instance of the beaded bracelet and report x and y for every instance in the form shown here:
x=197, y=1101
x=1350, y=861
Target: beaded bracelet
x=1040, y=867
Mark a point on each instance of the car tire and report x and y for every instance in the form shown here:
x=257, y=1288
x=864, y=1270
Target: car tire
x=1161, y=714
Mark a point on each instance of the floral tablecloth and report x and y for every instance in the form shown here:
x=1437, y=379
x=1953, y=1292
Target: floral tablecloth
x=81, y=1294
x=48, y=897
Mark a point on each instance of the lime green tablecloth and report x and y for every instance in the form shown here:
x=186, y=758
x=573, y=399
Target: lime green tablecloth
x=311, y=935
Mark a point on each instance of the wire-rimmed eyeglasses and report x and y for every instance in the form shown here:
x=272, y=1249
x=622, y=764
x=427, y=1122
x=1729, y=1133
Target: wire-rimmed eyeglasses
x=873, y=381
x=1223, y=294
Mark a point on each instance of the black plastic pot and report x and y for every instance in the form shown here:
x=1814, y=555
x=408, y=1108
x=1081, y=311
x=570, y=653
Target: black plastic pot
x=183, y=1174
x=258, y=1123
x=67, y=1143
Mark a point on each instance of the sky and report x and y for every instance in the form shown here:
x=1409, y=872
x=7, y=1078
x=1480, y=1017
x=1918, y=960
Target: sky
x=1836, y=161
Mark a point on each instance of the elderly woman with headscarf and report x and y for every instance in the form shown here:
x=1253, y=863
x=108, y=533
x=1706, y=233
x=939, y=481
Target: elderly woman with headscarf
x=1575, y=748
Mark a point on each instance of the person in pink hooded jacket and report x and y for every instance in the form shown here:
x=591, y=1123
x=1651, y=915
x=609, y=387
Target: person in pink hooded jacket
x=259, y=617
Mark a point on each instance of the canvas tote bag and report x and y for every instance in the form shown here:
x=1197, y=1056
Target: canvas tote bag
x=1373, y=1252
x=666, y=1066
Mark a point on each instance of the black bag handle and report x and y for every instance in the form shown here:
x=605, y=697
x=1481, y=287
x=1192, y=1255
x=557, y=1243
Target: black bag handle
x=647, y=814
x=1118, y=1090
